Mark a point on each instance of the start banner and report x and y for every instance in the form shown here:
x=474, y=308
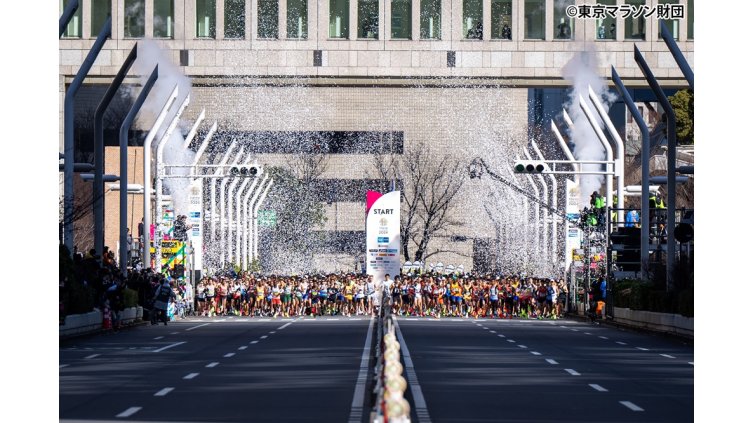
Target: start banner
x=383, y=234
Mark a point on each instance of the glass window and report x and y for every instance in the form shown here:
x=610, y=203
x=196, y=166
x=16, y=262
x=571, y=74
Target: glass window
x=100, y=9
x=235, y=19
x=563, y=24
x=401, y=18
x=368, y=19
x=73, y=30
x=268, y=19
x=430, y=19
x=672, y=24
x=297, y=19
x=134, y=19
x=605, y=27
x=634, y=28
x=690, y=19
x=472, y=19
x=535, y=19
x=339, y=18
x=501, y=19
x=206, y=18
x=164, y=21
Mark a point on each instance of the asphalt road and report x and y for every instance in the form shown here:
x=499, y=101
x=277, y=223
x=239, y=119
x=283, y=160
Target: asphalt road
x=316, y=370
x=545, y=371
x=218, y=370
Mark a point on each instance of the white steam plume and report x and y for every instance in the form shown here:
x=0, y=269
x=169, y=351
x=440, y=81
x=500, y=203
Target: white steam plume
x=149, y=55
x=582, y=71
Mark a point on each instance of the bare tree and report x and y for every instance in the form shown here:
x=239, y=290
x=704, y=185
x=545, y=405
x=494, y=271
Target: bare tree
x=430, y=184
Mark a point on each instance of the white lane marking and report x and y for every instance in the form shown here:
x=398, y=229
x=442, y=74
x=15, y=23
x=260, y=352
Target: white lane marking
x=522, y=346
x=265, y=320
x=354, y=319
x=668, y=356
x=254, y=342
x=621, y=343
x=551, y=361
x=243, y=347
x=336, y=318
x=284, y=326
x=190, y=375
x=630, y=405
x=598, y=388
x=588, y=333
x=493, y=331
x=174, y=333
x=691, y=363
x=511, y=340
x=274, y=331
x=163, y=392
x=642, y=349
x=213, y=364
x=356, y=407
x=501, y=336
x=264, y=336
x=196, y=327
x=563, y=327
x=132, y=348
x=228, y=355
x=158, y=338
x=412, y=380
x=602, y=337
x=169, y=346
x=571, y=372
x=92, y=356
x=63, y=365
x=575, y=330
x=535, y=353
x=129, y=412
x=484, y=327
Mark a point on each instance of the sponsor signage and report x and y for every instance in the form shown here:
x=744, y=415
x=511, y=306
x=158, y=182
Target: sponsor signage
x=383, y=234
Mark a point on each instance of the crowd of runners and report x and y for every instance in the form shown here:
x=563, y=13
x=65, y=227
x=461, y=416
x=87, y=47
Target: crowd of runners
x=432, y=295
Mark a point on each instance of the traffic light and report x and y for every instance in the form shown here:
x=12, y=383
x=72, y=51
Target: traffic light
x=249, y=171
x=530, y=166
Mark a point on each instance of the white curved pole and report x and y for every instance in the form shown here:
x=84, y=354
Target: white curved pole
x=160, y=167
x=544, y=211
x=194, y=129
x=565, y=148
x=618, y=157
x=204, y=144
x=555, y=205
x=255, y=218
x=609, y=152
x=145, y=247
x=246, y=212
x=250, y=223
x=222, y=202
x=213, y=189
x=536, y=206
x=233, y=193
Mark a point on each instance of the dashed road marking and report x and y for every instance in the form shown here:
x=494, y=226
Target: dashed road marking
x=602, y=337
x=254, y=342
x=572, y=372
x=511, y=340
x=274, y=331
x=668, y=356
x=535, y=353
x=691, y=363
x=493, y=331
x=169, y=346
x=630, y=405
x=264, y=337
x=621, y=343
x=158, y=338
x=501, y=336
x=213, y=364
x=598, y=388
x=228, y=355
x=551, y=361
x=521, y=346
x=92, y=356
x=642, y=349
x=129, y=412
x=190, y=375
x=243, y=347
x=196, y=327
x=284, y=326
x=63, y=365
x=163, y=392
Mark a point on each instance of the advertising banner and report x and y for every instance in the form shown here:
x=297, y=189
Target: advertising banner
x=383, y=234
x=574, y=234
x=196, y=223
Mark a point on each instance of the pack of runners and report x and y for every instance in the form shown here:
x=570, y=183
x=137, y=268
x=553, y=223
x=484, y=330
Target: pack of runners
x=466, y=295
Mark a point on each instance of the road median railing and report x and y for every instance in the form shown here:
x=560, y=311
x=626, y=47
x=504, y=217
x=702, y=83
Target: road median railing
x=390, y=404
